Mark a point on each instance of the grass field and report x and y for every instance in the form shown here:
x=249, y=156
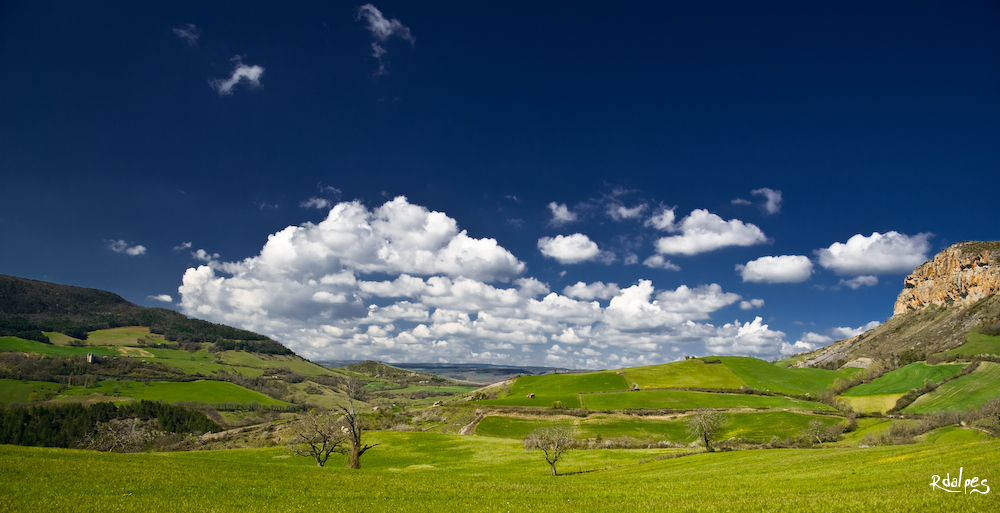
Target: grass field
x=123, y=390
x=685, y=399
x=15, y=390
x=685, y=373
x=747, y=425
x=976, y=344
x=31, y=346
x=428, y=472
x=904, y=379
x=767, y=376
x=566, y=388
x=872, y=403
x=973, y=389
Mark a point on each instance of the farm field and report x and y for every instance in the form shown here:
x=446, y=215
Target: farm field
x=973, y=389
x=30, y=346
x=124, y=390
x=872, y=403
x=904, y=379
x=762, y=375
x=686, y=399
x=976, y=344
x=432, y=472
x=685, y=373
x=566, y=388
x=748, y=425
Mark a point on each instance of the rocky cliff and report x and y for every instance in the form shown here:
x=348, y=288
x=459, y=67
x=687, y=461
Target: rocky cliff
x=942, y=299
x=962, y=274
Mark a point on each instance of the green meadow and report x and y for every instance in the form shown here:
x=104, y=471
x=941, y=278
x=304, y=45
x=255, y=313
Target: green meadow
x=686, y=399
x=755, y=426
x=125, y=390
x=904, y=379
x=972, y=390
x=762, y=375
x=426, y=472
x=685, y=373
x=976, y=344
x=30, y=346
x=566, y=388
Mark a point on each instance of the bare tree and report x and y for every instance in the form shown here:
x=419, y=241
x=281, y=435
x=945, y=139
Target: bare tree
x=121, y=435
x=705, y=425
x=353, y=425
x=552, y=440
x=317, y=434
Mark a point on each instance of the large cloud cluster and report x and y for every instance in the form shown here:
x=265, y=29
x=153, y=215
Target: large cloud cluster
x=401, y=282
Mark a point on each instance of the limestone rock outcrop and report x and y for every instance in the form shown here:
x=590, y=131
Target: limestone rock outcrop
x=962, y=274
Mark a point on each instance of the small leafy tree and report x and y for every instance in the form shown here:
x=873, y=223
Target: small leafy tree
x=317, y=435
x=705, y=425
x=552, y=440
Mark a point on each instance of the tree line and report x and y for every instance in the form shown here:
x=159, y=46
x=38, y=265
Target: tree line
x=69, y=425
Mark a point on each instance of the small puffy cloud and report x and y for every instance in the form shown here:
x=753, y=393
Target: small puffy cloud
x=317, y=203
x=751, y=338
x=183, y=246
x=620, y=212
x=857, y=282
x=569, y=249
x=241, y=73
x=847, y=332
x=189, y=33
x=663, y=219
x=162, y=297
x=741, y=201
x=596, y=290
x=658, y=262
x=561, y=214
x=124, y=248
x=777, y=269
x=772, y=199
x=703, y=231
x=751, y=304
x=204, y=256
x=889, y=253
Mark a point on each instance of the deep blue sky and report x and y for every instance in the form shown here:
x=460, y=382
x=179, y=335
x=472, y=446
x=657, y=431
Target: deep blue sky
x=868, y=117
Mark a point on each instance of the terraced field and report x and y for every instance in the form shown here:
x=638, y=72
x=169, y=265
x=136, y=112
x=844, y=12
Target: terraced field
x=904, y=379
x=685, y=399
x=566, y=388
x=972, y=390
x=762, y=375
x=686, y=373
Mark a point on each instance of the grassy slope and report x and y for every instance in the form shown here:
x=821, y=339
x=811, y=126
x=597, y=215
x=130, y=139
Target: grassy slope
x=904, y=379
x=549, y=388
x=433, y=473
x=752, y=426
x=976, y=344
x=872, y=403
x=766, y=376
x=684, y=399
x=973, y=389
x=31, y=346
x=110, y=389
x=685, y=373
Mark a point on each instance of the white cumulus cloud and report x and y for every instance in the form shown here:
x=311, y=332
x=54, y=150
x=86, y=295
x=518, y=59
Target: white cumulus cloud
x=162, y=297
x=658, y=262
x=569, y=249
x=589, y=292
x=857, y=282
x=703, y=231
x=561, y=214
x=889, y=253
x=751, y=338
x=122, y=247
x=777, y=269
x=751, y=304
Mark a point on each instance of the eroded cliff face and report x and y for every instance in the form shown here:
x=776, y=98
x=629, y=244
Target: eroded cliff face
x=962, y=274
